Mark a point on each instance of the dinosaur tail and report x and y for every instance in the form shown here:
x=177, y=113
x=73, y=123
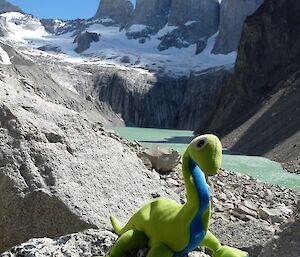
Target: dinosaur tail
x=116, y=225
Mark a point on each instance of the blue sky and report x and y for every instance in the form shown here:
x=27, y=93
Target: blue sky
x=63, y=9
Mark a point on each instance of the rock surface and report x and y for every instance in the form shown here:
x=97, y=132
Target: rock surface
x=232, y=16
x=151, y=13
x=88, y=243
x=190, y=102
x=54, y=161
x=194, y=20
x=285, y=242
x=119, y=11
x=162, y=159
x=84, y=40
x=265, y=87
x=5, y=6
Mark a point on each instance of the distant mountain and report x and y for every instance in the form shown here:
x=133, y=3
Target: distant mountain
x=156, y=54
x=8, y=7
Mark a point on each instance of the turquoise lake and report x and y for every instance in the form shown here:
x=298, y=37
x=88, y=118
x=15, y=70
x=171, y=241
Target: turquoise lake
x=259, y=167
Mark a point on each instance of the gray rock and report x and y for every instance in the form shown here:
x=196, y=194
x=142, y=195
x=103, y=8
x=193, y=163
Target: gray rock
x=49, y=48
x=194, y=20
x=252, y=91
x=251, y=205
x=58, y=174
x=245, y=211
x=84, y=40
x=136, y=105
x=125, y=59
x=249, y=236
x=118, y=10
x=88, y=243
x=162, y=159
x=200, y=45
x=232, y=16
x=285, y=242
x=51, y=25
x=8, y=7
x=152, y=13
x=200, y=97
x=3, y=24
x=273, y=215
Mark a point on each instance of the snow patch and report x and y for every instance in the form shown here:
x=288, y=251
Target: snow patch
x=165, y=30
x=137, y=28
x=4, y=58
x=189, y=23
x=24, y=28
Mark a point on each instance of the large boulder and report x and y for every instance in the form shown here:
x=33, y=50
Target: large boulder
x=60, y=174
x=162, y=159
x=232, y=16
x=84, y=40
x=87, y=243
x=286, y=242
x=117, y=10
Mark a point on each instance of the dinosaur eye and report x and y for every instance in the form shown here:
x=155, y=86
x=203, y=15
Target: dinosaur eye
x=201, y=143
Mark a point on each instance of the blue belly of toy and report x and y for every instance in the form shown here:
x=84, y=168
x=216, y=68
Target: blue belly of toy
x=197, y=231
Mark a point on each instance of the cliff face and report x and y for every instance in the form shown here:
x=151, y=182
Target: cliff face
x=152, y=13
x=203, y=11
x=117, y=10
x=194, y=20
x=232, y=16
x=191, y=21
x=259, y=111
x=161, y=102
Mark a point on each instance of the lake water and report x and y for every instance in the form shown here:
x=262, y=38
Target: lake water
x=255, y=166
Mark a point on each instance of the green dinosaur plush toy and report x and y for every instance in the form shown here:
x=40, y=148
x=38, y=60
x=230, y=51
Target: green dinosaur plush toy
x=172, y=229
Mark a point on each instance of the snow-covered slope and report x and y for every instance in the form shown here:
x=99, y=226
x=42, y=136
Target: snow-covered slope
x=28, y=34
x=4, y=58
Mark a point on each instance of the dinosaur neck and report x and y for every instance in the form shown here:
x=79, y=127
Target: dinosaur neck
x=196, y=188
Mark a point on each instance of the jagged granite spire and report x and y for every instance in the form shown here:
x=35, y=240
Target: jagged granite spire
x=152, y=13
x=205, y=12
x=118, y=10
x=8, y=7
x=232, y=16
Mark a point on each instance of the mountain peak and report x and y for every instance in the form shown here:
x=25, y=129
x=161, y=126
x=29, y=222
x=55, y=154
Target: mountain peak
x=8, y=7
x=117, y=10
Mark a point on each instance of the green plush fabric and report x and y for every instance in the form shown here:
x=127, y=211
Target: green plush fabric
x=165, y=225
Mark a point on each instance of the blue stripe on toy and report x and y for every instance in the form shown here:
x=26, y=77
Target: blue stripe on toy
x=197, y=232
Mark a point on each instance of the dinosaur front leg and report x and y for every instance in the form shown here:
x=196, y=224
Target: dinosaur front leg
x=211, y=242
x=130, y=240
x=160, y=251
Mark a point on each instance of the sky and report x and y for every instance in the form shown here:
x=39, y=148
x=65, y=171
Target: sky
x=59, y=9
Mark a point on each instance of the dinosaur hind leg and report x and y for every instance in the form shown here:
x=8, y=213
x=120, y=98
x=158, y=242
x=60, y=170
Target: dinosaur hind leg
x=130, y=240
x=161, y=251
x=213, y=243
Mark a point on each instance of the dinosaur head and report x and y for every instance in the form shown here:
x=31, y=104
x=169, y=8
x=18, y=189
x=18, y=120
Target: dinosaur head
x=206, y=152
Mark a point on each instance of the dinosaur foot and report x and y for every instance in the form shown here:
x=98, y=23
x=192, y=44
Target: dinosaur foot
x=226, y=251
